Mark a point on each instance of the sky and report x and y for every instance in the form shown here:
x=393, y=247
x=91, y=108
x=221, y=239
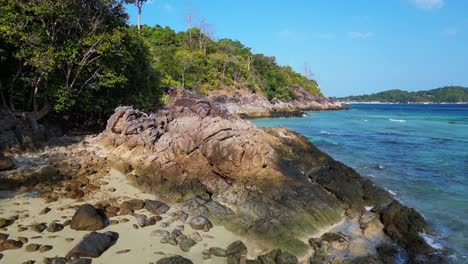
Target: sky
x=352, y=47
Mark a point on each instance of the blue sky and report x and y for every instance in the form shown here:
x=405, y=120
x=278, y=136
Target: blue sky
x=352, y=46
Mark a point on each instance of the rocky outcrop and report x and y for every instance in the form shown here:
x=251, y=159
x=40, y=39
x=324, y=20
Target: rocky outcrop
x=270, y=184
x=250, y=105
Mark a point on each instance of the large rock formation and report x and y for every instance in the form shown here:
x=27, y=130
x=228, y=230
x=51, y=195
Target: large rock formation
x=257, y=105
x=271, y=184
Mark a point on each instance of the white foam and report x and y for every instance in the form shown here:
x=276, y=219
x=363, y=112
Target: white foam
x=325, y=132
x=368, y=208
x=391, y=192
x=397, y=120
x=431, y=241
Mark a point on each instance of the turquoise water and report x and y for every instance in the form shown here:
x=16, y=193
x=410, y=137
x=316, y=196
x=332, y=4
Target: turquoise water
x=418, y=152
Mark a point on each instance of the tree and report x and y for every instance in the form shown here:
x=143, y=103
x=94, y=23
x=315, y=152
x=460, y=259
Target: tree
x=139, y=5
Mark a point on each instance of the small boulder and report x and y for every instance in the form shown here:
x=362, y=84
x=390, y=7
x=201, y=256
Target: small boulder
x=81, y=261
x=88, y=218
x=187, y=244
x=44, y=211
x=45, y=248
x=236, y=252
x=143, y=220
x=93, y=245
x=10, y=244
x=174, y=260
x=32, y=247
x=55, y=227
x=156, y=207
x=160, y=233
x=201, y=223
x=39, y=227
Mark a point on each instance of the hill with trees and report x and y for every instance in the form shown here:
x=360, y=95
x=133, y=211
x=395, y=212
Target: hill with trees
x=83, y=58
x=449, y=94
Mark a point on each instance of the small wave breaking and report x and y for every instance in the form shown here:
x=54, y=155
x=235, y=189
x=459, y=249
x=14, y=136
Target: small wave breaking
x=397, y=120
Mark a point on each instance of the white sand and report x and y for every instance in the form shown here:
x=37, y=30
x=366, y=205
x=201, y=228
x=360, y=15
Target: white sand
x=142, y=246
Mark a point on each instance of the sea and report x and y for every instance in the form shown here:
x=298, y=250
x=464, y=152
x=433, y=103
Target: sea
x=418, y=152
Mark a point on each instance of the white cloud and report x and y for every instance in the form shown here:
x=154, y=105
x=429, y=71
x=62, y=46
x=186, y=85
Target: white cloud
x=428, y=4
x=360, y=35
x=450, y=32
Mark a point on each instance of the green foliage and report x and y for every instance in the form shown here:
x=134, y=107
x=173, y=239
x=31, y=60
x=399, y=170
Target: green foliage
x=73, y=56
x=449, y=94
x=192, y=60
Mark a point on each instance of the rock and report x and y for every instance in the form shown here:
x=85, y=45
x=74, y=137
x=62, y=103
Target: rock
x=186, y=244
x=3, y=237
x=81, y=261
x=126, y=209
x=10, y=244
x=44, y=211
x=236, y=252
x=4, y=222
x=160, y=233
x=55, y=227
x=388, y=253
x=93, y=244
x=23, y=240
x=45, y=248
x=183, y=216
x=88, y=218
x=156, y=207
x=196, y=236
x=69, y=239
x=32, y=247
x=29, y=262
x=172, y=241
x=136, y=204
x=218, y=252
x=201, y=223
x=6, y=163
x=75, y=194
x=286, y=258
x=174, y=260
x=56, y=260
x=367, y=260
x=143, y=220
x=39, y=227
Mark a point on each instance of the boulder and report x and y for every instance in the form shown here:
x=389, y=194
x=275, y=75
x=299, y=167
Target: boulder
x=32, y=247
x=93, y=245
x=55, y=227
x=186, y=244
x=88, y=218
x=201, y=223
x=156, y=207
x=236, y=252
x=174, y=260
x=218, y=252
x=39, y=227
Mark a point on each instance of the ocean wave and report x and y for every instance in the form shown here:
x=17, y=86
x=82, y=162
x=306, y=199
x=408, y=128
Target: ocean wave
x=431, y=241
x=391, y=192
x=397, y=120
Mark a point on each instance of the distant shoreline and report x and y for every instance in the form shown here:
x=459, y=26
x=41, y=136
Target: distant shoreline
x=418, y=103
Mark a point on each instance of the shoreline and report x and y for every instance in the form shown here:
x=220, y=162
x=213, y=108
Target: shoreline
x=409, y=103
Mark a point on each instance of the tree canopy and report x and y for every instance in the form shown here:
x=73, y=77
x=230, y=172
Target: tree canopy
x=82, y=57
x=449, y=94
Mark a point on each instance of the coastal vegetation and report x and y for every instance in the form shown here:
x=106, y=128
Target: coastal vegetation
x=449, y=94
x=83, y=58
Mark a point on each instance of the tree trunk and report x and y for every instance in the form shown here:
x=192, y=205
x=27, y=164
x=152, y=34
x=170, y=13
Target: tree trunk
x=139, y=17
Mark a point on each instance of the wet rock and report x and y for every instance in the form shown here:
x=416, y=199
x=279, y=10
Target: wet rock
x=45, y=248
x=93, y=245
x=367, y=260
x=387, y=253
x=32, y=247
x=39, y=227
x=156, y=207
x=218, y=252
x=201, y=223
x=88, y=218
x=174, y=260
x=186, y=244
x=55, y=227
x=56, y=260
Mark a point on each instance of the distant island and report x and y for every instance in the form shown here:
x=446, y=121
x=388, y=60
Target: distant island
x=449, y=94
